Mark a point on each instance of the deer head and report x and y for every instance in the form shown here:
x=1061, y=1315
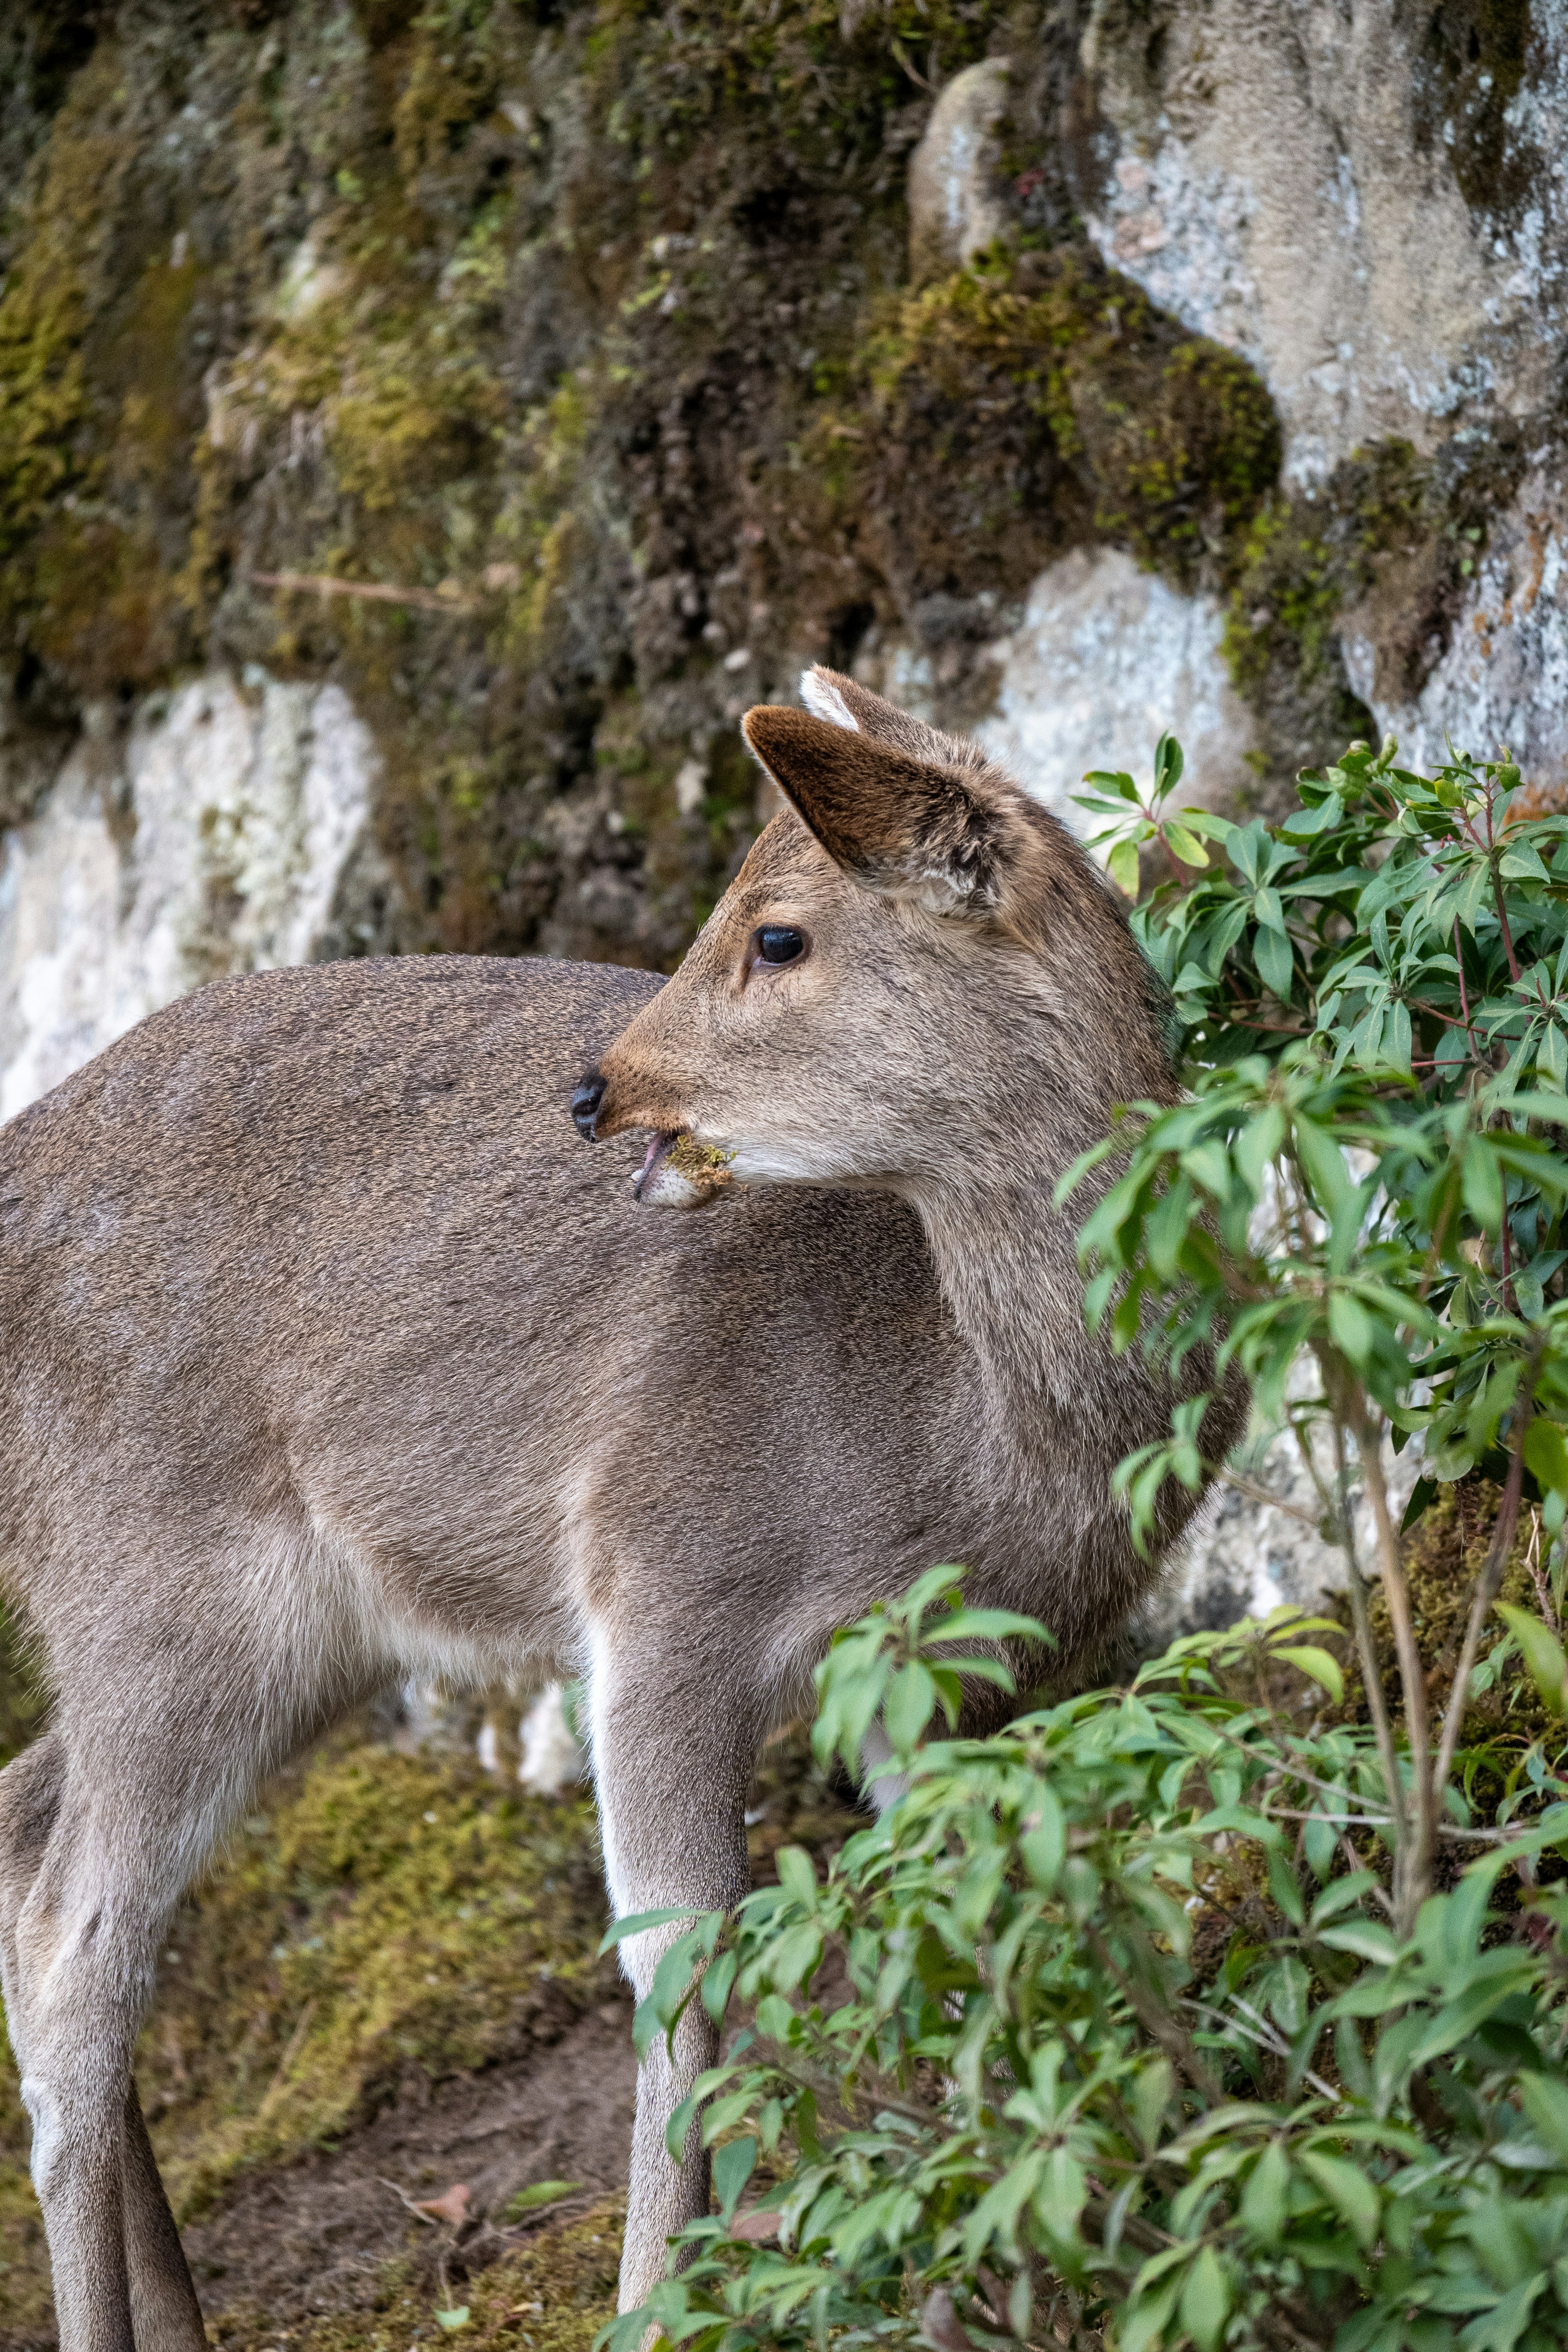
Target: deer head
x=914, y=964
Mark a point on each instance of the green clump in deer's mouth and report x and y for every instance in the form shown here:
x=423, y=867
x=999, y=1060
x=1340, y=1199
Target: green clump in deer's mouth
x=703, y=1165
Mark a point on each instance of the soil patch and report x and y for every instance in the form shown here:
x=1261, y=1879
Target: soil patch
x=316, y=2235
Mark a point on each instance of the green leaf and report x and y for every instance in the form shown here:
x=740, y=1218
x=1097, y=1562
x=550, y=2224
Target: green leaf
x=1168, y=765
x=1122, y=867
x=909, y=1706
x=797, y=1874
x=1499, y=2329
x=1205, y=2300
x=541, y=2192
x=1044, y=1846
x=1481, y=1178
x=1545, y=2098
x=452, y=2320
x=1285, y=1889
x=1184, y=843
x=1348, y=2191
x=733, y=2165
x=1350, y=1328
x=1276, y=965
x=1262, y=2211
x=1543, y=1654
x=1143, y=2323
x=1148, y=2098
x=1365, y=1938
x=1546, y=1453
x=1317, y=1663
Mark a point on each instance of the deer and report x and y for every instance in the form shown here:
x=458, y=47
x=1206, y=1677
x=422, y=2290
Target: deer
x=330, y=1353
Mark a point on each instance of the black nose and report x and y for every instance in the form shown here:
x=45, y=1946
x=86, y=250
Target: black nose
x=586, y=1097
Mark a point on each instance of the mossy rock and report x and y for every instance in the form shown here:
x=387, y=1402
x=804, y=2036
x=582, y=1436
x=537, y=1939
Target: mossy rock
x=1036, y=400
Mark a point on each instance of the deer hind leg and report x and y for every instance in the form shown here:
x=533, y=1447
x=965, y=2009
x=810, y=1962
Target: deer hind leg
x=165, y=2315
x=672, y=1762
x=80, y=1950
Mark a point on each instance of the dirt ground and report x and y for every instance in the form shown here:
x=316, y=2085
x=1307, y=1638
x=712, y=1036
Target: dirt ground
x=316, y=2236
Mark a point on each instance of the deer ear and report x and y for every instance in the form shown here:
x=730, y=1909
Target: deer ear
x=934, y=833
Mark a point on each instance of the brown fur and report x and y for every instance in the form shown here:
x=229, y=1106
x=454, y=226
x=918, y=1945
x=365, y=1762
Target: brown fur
x=328, y=1351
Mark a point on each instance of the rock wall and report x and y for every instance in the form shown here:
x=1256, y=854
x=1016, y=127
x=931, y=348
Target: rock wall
x=227, y=830
x=425, y=425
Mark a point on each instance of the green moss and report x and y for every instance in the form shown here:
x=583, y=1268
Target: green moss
x=1389, y=532
x=1038, y=399
x=392, y=1917
x=1470, y=71
x=22, y=1703
x=1444, y=1554
x=46, y=400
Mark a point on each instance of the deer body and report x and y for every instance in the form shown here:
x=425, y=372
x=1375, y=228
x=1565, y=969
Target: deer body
x=328, y=1351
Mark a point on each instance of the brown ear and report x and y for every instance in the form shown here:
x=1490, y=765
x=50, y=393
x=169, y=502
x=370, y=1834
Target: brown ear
x=914, y=828
x=828, y=694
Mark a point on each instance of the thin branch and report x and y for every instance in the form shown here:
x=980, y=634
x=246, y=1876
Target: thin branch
x=1487, y=1587
x=378, y=592
x=1258, y=1493
x=1158, y=2023
x=1371, y=1679
x=1413, y=1861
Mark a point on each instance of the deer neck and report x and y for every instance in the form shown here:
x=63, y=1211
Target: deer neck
x=1006, y=1259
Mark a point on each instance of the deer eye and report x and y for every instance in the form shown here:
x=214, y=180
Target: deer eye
x=777, y=943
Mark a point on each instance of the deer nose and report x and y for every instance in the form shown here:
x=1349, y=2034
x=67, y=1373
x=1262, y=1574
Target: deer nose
x=586, y=1097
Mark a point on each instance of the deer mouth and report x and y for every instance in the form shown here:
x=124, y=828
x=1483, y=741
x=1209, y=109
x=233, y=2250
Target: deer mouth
x=659, y=1148
x=679, y=1172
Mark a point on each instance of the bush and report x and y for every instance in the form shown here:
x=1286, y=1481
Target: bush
x=1217, y=2009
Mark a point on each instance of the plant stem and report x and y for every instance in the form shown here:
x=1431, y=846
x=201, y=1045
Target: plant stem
x=1503, y=920
x=1157, y=2022
x=1371, y=1679
x=1485, y=1592
x=1464, y=993
x=1413, y=1861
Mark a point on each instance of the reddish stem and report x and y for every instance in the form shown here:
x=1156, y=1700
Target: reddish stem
x=1502, y=918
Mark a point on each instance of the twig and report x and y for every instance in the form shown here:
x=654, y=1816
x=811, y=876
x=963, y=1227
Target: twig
x=1543, y=1589
x=1258, y=1493
x=403, y=2198
x=378, y=591
x=1158, y=2023
x=1264, y=2034
x=1486, y=1591
x=1413, y=1860
x=285, y=2063
x=1371, y=1678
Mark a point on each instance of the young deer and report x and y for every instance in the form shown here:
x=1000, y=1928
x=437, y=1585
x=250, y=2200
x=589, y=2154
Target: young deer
x=328, y=1353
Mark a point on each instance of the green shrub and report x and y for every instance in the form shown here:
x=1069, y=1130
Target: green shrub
x=1227, y=2009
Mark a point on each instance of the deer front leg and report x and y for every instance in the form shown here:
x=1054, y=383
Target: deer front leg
x=672, y=1762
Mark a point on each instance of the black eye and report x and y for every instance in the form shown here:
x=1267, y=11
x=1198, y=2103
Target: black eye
x=776, y=943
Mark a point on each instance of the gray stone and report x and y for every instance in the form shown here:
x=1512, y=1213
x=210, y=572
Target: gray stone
x=1282, y=192
x=1104, y=660
x=955, y=206
x=216, y=838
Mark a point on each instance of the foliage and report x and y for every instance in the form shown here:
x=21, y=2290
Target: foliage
x=1124, y=2035
x=1370, y=998
x=1227, y=2009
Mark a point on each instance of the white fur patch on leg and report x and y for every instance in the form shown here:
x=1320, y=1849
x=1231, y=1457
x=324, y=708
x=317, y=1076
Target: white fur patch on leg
x=825, y=701
x=44, y=2108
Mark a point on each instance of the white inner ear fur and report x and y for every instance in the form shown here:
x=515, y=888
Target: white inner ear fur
x=825, y=701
